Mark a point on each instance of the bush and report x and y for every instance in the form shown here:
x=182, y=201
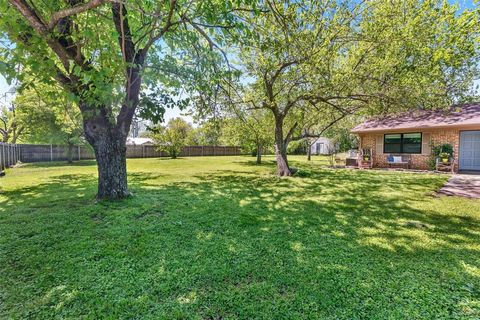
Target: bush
x=442, y=148
x=437, y=151
x=432, y=162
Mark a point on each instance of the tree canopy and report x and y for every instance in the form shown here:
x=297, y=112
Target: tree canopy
x=172, y=137
x=301, y=66
x=323, y=60
x=104, y=53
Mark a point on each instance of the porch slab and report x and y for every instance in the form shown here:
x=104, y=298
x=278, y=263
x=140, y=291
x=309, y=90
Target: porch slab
x=462, y=185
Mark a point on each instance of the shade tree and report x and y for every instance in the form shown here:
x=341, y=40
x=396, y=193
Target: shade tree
x=11, y=128
x=250, y=129
x=49, y=116
x=342, y=57
x=172, y=137
x=101, y=51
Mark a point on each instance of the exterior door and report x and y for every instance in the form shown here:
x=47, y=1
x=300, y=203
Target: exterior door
x=469, y=157
x=320, y=148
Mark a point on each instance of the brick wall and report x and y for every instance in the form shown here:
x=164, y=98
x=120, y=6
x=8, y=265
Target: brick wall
x=374, y=141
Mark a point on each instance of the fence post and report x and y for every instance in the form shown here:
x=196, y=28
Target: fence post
x=202, y=151
x=51, y=152
x=3, y=157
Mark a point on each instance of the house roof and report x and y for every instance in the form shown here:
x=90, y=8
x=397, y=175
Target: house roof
x=139, y=141
x=467, y=115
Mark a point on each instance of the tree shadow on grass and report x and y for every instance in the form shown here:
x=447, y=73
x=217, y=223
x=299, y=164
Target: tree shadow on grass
x=253, y=163
x=334, y=244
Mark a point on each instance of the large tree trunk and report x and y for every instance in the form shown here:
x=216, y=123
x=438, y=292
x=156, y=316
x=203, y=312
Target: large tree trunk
x=112, y=168
x=281, y=149
x=110, y=153
x=109, y=144
x=259, y=153
x=309, y=151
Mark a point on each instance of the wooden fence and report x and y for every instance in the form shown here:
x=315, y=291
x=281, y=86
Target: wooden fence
x=9, y=155
x=48, y=152
x=38, y=153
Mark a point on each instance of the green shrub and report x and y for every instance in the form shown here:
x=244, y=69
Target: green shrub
x=442, y=148
x=431, y=162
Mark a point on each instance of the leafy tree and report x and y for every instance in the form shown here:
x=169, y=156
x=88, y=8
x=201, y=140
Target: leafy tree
x=250, y=129
x=48, y=116
x=338, y=58
x=208, y=133
x=11, y=127
x=100, y=51
x=172, y=137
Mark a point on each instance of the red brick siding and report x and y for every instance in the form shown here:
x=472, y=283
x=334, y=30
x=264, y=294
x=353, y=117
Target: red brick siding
x=419, y=161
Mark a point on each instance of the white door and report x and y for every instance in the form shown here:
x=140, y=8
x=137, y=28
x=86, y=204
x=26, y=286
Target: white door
x=469, y=157
x=320, y=148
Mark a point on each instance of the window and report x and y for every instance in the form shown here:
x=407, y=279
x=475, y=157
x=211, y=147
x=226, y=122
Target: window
x=402, y=143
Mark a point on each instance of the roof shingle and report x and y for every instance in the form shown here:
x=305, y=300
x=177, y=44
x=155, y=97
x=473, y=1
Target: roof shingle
x=456, y=116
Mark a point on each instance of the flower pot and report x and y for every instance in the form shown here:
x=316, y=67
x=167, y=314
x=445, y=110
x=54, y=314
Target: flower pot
x=445, y=160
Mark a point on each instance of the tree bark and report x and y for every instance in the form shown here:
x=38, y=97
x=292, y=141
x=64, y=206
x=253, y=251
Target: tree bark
x=112, y=168
x=70, y=152
x=259, y=153
x=309, y=152
x=281, y=149
x=109, y=144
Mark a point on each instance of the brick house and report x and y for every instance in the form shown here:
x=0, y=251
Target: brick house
x=414, y=133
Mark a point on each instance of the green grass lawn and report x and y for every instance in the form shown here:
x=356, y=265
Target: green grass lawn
x=223, y=238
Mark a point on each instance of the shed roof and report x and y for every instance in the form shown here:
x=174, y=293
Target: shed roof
x=457, y=116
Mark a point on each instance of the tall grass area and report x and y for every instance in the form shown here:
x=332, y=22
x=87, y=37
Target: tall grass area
x=224, y=238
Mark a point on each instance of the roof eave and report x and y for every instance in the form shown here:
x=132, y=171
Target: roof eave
x=469, y=126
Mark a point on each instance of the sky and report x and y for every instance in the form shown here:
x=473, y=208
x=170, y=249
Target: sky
x=172, y=113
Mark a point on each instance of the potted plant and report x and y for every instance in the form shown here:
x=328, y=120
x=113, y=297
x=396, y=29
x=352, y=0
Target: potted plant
x=445, y=156
x=366, y=157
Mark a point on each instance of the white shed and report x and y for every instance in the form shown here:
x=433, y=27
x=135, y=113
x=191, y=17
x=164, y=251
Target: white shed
x=322, y=146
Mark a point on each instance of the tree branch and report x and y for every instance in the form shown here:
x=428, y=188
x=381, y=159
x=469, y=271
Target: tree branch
x=165, y=28
x=39, y=26
x=290, y=133
x=125, y=40
x=57, y=16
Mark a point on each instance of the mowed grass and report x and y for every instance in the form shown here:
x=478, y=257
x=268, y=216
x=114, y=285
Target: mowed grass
x=223, y=238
